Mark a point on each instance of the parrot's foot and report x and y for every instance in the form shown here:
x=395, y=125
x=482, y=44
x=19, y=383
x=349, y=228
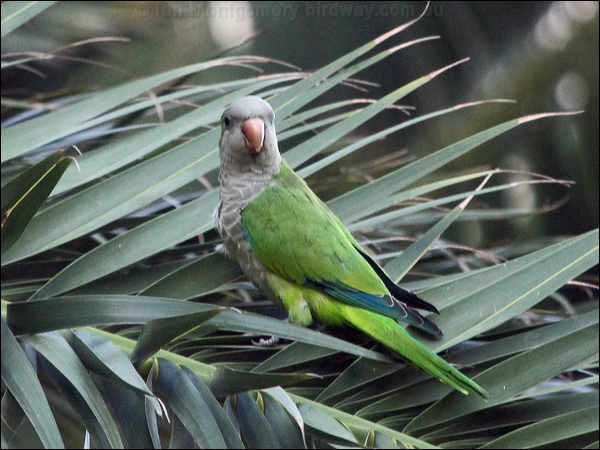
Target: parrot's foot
x=271, y=342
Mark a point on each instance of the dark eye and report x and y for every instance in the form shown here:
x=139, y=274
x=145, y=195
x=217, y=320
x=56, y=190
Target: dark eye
x=226, y=121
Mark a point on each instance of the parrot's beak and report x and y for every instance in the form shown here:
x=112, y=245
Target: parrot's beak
x=254, y=131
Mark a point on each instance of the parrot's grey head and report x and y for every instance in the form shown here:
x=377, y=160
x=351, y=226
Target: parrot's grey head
x=248, y=141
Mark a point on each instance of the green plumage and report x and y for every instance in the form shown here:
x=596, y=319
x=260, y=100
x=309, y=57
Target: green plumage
x=294, y=248
x=298, y=237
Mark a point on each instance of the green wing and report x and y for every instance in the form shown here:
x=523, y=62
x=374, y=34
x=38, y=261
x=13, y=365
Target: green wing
x=296, y=236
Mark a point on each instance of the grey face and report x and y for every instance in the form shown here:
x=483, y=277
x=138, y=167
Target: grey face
x=248, y=141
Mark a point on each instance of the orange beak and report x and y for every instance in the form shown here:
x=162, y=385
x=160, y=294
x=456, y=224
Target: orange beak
x=254, y=131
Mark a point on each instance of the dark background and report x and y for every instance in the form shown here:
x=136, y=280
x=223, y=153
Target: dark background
x=544, y=55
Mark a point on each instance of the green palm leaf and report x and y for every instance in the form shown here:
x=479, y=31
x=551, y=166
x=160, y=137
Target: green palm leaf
x=119, y=324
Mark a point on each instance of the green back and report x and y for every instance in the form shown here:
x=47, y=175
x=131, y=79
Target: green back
x=294, y=234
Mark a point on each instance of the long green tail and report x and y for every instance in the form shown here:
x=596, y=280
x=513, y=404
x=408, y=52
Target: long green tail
x=389, y=333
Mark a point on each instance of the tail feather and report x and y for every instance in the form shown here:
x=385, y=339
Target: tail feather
x=386, y=331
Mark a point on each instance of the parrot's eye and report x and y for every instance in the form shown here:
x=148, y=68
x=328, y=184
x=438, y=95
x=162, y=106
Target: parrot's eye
x=226, y=121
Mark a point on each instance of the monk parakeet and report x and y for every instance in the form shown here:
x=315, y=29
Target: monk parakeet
x=292, y=246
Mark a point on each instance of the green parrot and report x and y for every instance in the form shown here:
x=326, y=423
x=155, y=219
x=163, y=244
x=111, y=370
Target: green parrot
x=292, y=246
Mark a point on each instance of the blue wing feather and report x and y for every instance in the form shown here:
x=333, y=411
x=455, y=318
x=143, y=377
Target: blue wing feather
x=382, y=304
